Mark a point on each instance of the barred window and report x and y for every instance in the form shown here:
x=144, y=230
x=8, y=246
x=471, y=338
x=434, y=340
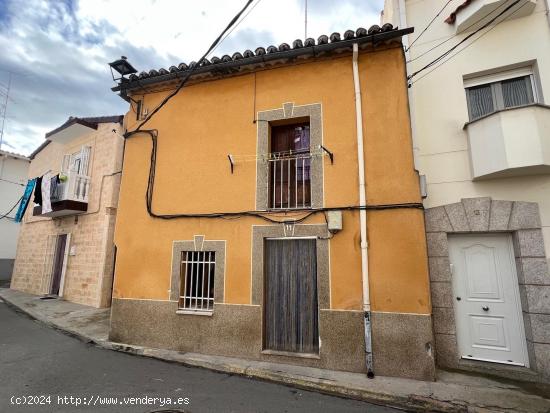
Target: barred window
x=197, y=280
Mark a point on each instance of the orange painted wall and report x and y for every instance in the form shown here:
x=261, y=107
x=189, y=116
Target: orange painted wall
x=208, y=120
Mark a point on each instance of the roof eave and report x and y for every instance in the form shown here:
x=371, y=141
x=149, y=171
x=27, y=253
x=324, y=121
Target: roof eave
x=125, y=87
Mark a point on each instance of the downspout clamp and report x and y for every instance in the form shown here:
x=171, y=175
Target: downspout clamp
x=363, y=213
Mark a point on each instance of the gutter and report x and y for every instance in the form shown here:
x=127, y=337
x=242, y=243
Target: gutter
x=363, y=213
x=233, y=65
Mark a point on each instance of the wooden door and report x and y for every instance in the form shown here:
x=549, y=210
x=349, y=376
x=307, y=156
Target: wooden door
x=488, y=315
x=291, y=321
x=59, y=258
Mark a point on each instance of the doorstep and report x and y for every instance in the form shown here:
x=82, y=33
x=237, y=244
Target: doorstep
x=453, y=392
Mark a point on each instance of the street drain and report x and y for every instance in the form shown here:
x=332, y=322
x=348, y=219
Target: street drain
x=48, y=297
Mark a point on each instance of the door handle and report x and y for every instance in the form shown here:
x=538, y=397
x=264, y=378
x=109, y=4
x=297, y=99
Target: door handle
x=485, y=308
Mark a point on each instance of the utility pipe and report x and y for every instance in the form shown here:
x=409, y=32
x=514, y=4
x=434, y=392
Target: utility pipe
x=362, y=213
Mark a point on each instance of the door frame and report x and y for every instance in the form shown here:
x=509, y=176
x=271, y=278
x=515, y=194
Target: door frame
x=289, y=353
x=484, y=215
x=516, y=304
x=63, y=265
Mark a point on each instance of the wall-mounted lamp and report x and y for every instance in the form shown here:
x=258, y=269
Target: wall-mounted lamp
x=122, y=67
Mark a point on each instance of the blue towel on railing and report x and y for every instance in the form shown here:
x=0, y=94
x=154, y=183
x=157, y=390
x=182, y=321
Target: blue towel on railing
x=25, y=200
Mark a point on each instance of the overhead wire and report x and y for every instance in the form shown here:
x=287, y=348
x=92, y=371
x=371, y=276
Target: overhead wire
x=455, y=35
x=468, y=45
x=428, y=26
x=192, y=68
x=11, y=209
x=442, y=56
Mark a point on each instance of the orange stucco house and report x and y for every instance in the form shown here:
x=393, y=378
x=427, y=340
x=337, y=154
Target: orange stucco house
x=270, y=210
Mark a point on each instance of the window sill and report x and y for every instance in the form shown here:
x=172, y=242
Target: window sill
x=291, y=354
x=488, y=115
x=195, y=312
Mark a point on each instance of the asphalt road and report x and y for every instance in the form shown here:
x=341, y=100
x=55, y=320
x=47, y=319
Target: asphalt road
x=37, y=362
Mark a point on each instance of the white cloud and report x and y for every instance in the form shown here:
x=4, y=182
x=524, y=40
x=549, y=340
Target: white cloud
x=60, y=50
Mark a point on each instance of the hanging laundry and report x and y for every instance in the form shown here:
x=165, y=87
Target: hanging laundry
x=25, y=200
x=46, y=184
x=54, y=188
x=38, y=191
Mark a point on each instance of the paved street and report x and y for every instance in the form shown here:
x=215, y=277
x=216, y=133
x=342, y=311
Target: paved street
x=36, y=360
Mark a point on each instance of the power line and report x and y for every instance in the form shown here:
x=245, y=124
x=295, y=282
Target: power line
x=236, y=25
x=428, y=26
x=442, y=56
x=465, y=47
x=192, y=68
x=12, y=208
x=5, y=109
x=455, y=35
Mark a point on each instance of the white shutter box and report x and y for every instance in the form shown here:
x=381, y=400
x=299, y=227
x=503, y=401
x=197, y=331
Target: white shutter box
x=85, y=156
x=65, y=164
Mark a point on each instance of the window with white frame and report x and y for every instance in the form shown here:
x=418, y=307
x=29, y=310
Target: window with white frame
x=197, y=280
x=492, y=93
x=77, y=162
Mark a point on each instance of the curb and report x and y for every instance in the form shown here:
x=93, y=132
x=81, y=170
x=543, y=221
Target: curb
x=413, y=403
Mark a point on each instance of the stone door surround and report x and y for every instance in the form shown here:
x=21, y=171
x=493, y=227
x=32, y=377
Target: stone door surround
x=485, y=215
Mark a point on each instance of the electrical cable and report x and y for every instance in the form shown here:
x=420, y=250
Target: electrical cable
x=428, y=26
x=11, y=182
x=265, y=215
x=236, y=25
x=193, y=67
x=12, y=208
x=441, y=57
x=455, y=35
x=465, y=47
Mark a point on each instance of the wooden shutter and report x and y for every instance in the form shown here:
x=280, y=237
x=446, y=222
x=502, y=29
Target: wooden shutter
x=291, y=309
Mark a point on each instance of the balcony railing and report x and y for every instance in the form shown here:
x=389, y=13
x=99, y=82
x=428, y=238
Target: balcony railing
x=75, y=188
x=289, y=180
x=69, y=198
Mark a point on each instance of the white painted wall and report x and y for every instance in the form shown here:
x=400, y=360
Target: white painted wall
x=438, y=100
x=13, y=178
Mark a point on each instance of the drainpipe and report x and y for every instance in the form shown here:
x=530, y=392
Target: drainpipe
x=363, y=213
x=547, y=11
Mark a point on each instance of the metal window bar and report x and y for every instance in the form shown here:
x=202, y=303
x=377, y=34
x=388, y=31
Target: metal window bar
x=290, y=180
x=197, y=280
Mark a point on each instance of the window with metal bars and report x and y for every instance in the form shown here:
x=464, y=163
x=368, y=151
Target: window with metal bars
x=492, y=97
x=289, y=167
x=197, y=280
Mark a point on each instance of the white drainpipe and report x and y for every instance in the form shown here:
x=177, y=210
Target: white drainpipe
x=363, y=213
x=547, y=11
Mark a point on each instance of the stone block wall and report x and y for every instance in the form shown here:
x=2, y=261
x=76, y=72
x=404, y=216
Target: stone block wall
x=484, y=215
x=88, y=276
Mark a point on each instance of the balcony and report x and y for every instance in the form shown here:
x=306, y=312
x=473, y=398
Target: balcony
x=289, y=180
x=72, y=197
x=511, y=142
x=479, y=12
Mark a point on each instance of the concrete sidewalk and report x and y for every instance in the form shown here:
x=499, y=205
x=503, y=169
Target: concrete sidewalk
x=453, y=392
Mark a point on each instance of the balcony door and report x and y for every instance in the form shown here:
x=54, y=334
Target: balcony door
x=291, y=322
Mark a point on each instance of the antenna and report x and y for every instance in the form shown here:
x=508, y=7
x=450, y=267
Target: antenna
x=5, y=109
x=305, y=20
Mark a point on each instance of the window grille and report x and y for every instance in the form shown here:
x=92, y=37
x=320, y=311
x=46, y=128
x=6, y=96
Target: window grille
x=491, y=97
x=289, y=167
x=197, y=280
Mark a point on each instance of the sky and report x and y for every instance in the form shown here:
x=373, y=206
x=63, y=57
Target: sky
x=57, y=51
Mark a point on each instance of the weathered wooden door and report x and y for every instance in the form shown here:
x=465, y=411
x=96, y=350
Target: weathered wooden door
x=291, y=322
x=59, y=258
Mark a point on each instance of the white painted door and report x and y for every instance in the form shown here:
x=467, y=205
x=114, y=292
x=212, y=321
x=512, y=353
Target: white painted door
x=489, y=322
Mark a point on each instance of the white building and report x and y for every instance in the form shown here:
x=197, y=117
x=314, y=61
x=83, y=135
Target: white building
x=13, y=178
x=481, y=128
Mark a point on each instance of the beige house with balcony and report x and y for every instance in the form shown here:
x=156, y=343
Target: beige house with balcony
x=66, y=249
x=481, y=122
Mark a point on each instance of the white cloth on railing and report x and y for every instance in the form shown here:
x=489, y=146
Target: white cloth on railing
x=46, y=202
